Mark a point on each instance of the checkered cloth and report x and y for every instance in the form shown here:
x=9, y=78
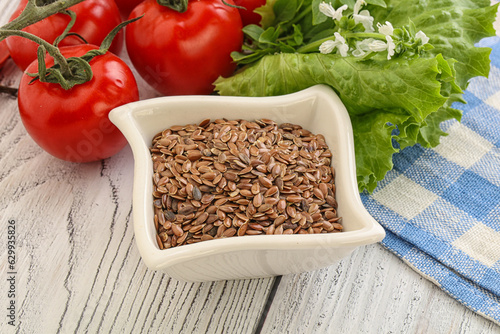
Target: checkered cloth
x=441, y=207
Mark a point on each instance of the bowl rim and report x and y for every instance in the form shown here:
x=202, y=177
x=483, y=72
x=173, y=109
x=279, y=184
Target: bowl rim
x=154, y=257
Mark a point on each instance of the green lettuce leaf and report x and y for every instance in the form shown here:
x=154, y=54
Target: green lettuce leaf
x=413, y=96
x=453, y=26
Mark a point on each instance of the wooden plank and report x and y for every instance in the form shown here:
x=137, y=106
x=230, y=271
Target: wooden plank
x=78, y=268
x=371, y=291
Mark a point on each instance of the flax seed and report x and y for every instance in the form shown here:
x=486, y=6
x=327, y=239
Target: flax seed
x=226, y=178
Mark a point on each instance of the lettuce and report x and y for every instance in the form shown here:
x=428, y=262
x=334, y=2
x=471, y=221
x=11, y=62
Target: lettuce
x=393, y=103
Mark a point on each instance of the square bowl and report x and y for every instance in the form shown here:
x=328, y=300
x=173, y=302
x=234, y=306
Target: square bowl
x=317, y=109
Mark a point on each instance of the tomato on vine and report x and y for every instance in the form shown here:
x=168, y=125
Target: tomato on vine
x=65, y=97
x=182, y=51
x=95, y=19
x=72, y=124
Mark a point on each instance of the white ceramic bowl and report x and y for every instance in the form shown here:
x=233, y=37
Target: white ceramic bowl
x=317, y=109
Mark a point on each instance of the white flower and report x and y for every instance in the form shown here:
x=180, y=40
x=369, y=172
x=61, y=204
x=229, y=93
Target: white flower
x=386, y=28
x=365, y=19
x=362, y=17
x=357, y=6
x=362, y=47
x=343, y=49
x=390, y=46
x=339, y=43
x=327, y=47
x=423, y=37
x=329, y=11
x=358, y=53
x=379, y=46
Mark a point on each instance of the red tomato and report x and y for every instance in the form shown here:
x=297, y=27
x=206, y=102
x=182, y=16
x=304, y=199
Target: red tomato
x=4, y=53
x=248, y=16
x=126, y=6
x=73, y=124
x=95, y=19
x=184, y=53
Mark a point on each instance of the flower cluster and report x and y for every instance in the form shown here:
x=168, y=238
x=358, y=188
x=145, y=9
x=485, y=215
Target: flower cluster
x=370, y=41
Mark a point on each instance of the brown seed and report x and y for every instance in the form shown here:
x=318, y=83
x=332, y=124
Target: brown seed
x=201, y=218
x=254, y=151
x=278, y=230
x=241, y=216
x=193, y=155
x=206, y=237
x=331, y=201
x=245, y=170
x=187, y=209
x=177, y=230
x=257, y=200
x=227, y=222
x=210, y=176
x=234, y=177
x=324, y=189
x=291, y=211
x=271, y=191
x=243, y=228
x=271, y=200
x=294, y=198
x=337, y=226
x=276, y=170
x=206, y=198
x=264, y=207
x=281, y=206
x=159, y=242
x=206, y=228
x=169, y=215
x=189, y=190
x=265, y=182
x=229, y=232
x=279, y=220
x=246, y=193
x=222, y=157
x=318, y=193
x=253, y=232
x=327, y=225
x=195, y=229
x=244, y=158
x=255, y=188
x=226, y=208
x=279, y=183
x=270, y=230
x=304, y=206
x=196, y=193
x=220, y=230
x=250, y=211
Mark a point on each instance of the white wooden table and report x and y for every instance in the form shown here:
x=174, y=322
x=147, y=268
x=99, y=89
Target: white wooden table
x=78, y=270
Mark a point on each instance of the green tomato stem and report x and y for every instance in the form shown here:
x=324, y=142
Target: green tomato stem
x=33, y=13
x=177, y=5
x=51, y=49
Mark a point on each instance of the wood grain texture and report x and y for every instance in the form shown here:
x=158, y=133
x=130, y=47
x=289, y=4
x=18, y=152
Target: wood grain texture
x=372, y=291
x=79, y=271
x=78, y=268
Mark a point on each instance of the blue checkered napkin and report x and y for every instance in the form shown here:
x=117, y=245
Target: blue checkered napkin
x=441, y=207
